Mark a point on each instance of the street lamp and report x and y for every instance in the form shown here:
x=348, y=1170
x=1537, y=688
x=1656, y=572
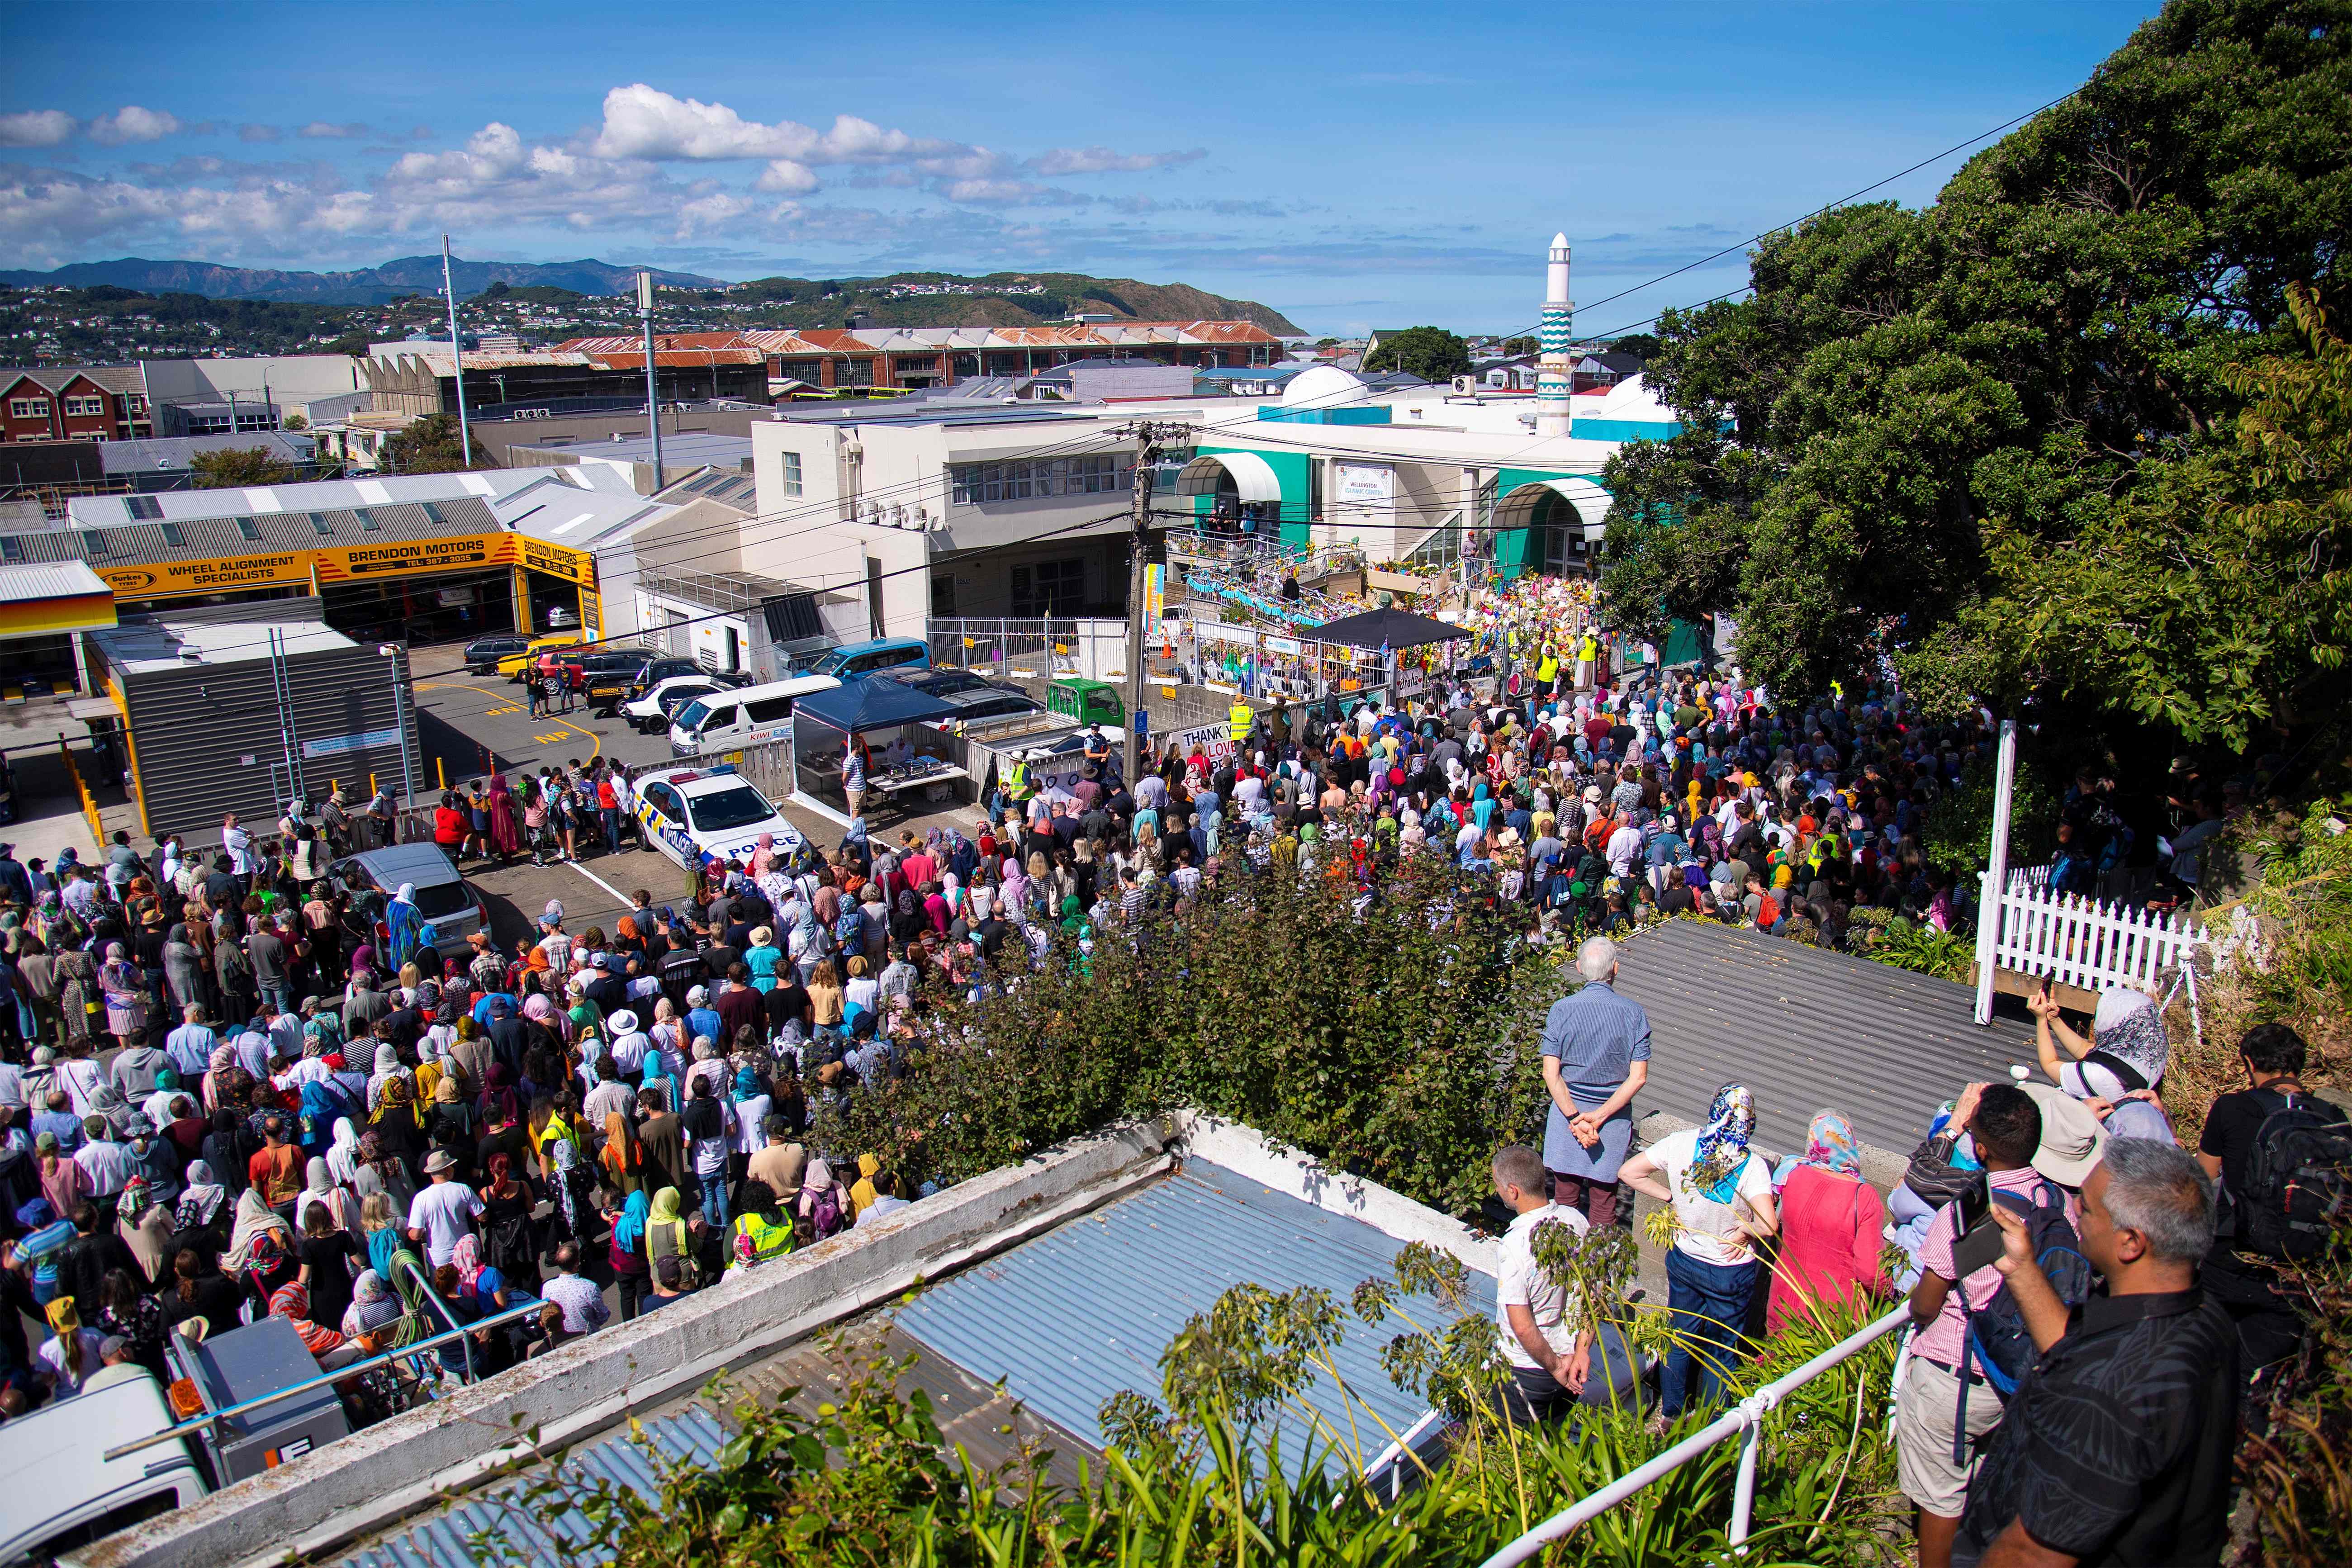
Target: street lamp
x=391, y=651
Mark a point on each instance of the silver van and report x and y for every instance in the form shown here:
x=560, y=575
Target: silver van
x=64, y=1493
x=730, y=720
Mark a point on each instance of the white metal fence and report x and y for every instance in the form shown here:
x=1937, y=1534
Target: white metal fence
x=2077, y=940
x=1744, y=1421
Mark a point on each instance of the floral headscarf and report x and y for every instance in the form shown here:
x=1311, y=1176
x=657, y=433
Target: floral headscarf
x=1830, y=1144
x=1722, y=1142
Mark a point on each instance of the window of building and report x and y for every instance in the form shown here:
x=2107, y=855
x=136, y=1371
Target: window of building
x=366, y=515
x=857, y=372
x=12, y=549
x=791, y=473
x=86, y=407
x=432, y=514
x=247, y=529
x=147, y=508
x=322, y=524
x=1095, y=473
x=1049, y=588
x=942, y=593
x=93, y=543
x=28, y=408
x=172, y=534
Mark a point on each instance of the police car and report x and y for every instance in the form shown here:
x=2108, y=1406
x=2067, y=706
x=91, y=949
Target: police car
x=699, y=816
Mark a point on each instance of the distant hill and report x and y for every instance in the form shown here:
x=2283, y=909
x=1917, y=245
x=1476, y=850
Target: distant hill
x=999, y=300
x=369, y=286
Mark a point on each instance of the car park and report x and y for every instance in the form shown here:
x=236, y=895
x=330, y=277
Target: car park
x=482, y=654
x=702, y=816
x=449, y=903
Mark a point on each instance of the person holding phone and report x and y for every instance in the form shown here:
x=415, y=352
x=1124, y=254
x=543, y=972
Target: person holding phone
x=2004, y=1125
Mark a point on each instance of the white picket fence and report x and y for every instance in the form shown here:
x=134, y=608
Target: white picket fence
x=2078, y=940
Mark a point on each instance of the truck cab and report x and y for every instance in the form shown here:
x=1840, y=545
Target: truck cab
x=64, y=1493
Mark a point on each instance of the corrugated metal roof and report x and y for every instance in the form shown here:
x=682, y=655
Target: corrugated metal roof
x=444, y=1540
x=1805, y=1028
x=50, y=580
x=1075, y=1315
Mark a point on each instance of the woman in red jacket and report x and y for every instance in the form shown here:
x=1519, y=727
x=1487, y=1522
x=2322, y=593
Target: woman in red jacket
x=1830, y=1223
x=451, y=826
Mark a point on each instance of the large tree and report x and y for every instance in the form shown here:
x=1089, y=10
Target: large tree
x=1432, y=353
x=430, y=446
x=232, y=468
x=1922, y=425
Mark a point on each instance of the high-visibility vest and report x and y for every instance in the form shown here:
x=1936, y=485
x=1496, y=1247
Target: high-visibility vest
x=1016, y=779
x=766, y=1241
x=1239, y=722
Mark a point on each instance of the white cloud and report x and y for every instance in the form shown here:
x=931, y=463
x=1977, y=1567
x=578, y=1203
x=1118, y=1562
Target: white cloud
x=36, y=127
x=46, y=216
x=496, y=178
x=719, y=210
x=132, y=123
x=320, y=130
x=645, y=122
x=784, y=177
x=1103, y=161
x=1011, y=193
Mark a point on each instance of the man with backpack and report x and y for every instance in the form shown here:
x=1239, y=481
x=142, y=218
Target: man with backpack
x=1941, y=1414
x=2115, y=1447
x=2283, y=1157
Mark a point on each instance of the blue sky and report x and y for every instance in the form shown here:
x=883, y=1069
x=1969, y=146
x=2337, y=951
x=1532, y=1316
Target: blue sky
x=1353, y=165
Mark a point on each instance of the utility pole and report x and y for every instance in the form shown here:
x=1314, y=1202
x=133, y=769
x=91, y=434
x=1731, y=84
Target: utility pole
x=456, y=361
x=1148, y=436
x=653, y=400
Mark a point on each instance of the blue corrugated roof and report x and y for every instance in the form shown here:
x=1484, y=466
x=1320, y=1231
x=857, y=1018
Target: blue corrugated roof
x=1085, y=1311
x=444, y=1540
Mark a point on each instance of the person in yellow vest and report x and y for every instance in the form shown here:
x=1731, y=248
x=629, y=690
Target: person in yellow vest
x=1548, y=668
x=1588, y=659
x=1238, y=720
x=762, y=1231
x=1017, y=785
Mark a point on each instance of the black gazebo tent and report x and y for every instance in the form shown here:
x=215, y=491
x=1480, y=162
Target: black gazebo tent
x=827, y=723
x=1389, y=629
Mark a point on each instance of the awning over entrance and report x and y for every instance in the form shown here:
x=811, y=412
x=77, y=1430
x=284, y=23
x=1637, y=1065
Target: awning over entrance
x=1590, y=502
x=1252, y=475
x=43, y=598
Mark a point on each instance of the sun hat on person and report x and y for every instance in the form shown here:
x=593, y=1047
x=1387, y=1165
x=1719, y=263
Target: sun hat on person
x=2073, y=1141
x=438, y=1161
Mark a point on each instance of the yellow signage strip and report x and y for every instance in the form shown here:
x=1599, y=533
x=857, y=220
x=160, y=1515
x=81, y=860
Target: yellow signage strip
x=348, y=564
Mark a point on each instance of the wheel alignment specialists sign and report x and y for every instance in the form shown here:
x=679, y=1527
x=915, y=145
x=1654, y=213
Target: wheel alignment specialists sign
x=392, y=558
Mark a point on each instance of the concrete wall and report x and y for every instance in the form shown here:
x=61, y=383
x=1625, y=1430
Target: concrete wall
x=372, y=1479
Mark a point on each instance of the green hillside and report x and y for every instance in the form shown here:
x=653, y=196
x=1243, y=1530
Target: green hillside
x=997, y=300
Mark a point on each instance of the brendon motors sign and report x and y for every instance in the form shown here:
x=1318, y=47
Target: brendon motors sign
x=407, y=557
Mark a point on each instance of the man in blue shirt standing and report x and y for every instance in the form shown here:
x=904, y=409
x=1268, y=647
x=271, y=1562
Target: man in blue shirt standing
x=1596, y=1049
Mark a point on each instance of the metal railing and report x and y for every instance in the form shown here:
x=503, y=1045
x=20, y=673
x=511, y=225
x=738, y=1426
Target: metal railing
x=325, y=1379
x=1744, y=1420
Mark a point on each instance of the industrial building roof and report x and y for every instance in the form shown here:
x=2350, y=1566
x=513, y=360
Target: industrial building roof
x=1083, y=1311
x=141, y=647
x=50, y=580
x=678, y=449
x=916, y=339
x=1805, y=1028
x=97, y=511
x=160, y=454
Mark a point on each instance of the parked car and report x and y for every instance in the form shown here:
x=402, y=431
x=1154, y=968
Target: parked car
x=729, y=720
x=946, y=683
x=852, y=661
x=448, y=902
x=482, y=654
x=517, y=666
x=650, y=713
x=699, y=815
x=652, y=672
x=559, y=617
x=990, y=704
x=604, y=678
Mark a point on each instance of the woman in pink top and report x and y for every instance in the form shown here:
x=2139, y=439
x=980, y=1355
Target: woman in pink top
x=1830, y=1225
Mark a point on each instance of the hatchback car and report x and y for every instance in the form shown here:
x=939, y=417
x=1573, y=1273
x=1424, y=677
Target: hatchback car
x=449, y=903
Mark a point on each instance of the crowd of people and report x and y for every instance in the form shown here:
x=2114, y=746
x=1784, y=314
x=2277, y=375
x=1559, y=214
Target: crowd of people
x=2092, y=1304
x=226, y=1094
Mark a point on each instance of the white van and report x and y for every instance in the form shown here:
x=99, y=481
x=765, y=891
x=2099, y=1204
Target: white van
x=64, y=1493
x=730, y=720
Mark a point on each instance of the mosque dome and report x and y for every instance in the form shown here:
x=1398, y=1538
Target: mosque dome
x=1324, y=386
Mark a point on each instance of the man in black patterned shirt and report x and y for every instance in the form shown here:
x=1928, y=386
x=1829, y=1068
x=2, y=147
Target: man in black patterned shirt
x=2114, y=1450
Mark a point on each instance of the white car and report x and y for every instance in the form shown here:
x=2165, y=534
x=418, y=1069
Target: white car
x=651, y=712
x=702, y=816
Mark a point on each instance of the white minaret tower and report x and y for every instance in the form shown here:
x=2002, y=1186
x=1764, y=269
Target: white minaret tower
x=1552, y=373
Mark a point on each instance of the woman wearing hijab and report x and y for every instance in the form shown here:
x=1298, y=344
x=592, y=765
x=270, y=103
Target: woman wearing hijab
x=1831, y=1224
x=2128, y=1048
x=1722, y=1199
x=342, y=1154
x=819, y=1212
x=64, y=1182
x=259, y=1245
x=508, y=1241
x=505, y=828
x=327, y=1347
x=402, y=921
x=184, y=970
x=125, y=990
x=70, y=1357
x=320, y=1191
x=203, y=1203
x=370, y=1320
x=145, y=1226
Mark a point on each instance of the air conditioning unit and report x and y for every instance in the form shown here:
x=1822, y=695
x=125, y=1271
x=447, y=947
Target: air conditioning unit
x=1466, y=386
